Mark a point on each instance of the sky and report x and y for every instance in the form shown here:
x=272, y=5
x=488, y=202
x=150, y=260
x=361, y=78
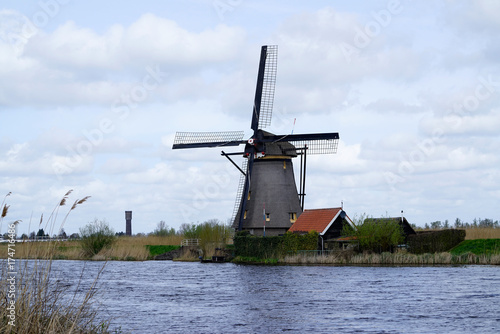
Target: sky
x=92, y=94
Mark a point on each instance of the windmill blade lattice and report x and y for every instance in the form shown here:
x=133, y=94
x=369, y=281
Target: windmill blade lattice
x=207, y=139
x=317, y=143
x=239, y=192
x=268, y=85
x=324, y=146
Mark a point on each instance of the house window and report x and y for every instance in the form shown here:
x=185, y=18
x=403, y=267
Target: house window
x=267, y=217
x=293, y=217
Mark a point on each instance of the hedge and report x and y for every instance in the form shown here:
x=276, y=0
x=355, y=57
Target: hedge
x=246, y=245
x=435, y=241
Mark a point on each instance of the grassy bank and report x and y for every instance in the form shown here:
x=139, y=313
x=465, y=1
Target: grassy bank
x=478, y=247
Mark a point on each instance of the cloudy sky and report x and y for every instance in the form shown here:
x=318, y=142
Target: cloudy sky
x=92, y=93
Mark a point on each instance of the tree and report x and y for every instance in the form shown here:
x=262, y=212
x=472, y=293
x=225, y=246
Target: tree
x=436, y=225
x=213, y=234
x=377, y=235
x=163, y=230
x=95, y=236
x=40, y=234
x=190, y=231
x=62, y=234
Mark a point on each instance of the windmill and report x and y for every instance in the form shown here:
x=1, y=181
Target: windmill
x=268, y=198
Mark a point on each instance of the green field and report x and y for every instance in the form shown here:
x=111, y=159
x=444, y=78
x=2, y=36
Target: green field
x=477, y=247
x=160, y=249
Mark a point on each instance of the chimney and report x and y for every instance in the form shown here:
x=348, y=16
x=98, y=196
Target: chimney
x=402, y=216
x=128, y=223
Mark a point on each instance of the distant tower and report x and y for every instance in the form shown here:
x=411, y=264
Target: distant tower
x=128, y=220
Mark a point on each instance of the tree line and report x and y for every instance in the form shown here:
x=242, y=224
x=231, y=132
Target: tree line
x=476, y=223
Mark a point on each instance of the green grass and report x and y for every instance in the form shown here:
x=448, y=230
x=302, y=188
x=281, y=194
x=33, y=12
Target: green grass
x=478, y=247
x=160, y=249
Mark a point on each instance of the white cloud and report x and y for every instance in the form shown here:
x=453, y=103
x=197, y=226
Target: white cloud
x=387, y=101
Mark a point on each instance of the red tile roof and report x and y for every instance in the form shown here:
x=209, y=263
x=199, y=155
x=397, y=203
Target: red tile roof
x=314, y=220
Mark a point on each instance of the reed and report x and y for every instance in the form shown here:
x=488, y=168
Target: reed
x=33, y=301
x=134, y=248
x=482, y=233
x=399, y=258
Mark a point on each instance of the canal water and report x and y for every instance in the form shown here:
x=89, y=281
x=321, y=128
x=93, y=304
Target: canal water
x=180, y=297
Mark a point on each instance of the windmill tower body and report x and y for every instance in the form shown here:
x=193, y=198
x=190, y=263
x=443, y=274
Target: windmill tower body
x=269, y=202
x=273, y=201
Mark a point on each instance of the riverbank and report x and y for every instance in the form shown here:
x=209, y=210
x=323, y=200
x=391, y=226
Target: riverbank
x=479, y=251
x=390, y=259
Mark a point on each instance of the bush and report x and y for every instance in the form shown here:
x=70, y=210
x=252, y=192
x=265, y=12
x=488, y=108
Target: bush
x=95, y=236
x=213, y=234
x=377, y=235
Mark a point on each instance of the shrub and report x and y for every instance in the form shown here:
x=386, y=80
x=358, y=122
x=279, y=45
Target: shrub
x=213, y=234
x=377, y=235
x=95, y=236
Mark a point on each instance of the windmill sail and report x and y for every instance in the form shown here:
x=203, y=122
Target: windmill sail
x=268, y=159
x=268, y=85
x=207, y=139
x=264, y=92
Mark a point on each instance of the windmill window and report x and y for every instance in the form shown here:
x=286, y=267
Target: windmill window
x=245, y=215
x=293, y=217
x=284, y=164
x=249, y=194
x=268, y=218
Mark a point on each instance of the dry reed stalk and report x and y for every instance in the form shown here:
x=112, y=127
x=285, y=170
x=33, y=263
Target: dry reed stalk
x=174, y=240
x=123, y=252
x=41, y=303
x=399, y=258
x=482, y=233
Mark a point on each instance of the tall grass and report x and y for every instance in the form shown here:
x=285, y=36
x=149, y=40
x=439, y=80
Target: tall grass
x=42, y=304
x=400, y=258
x=134, y=248
x=482, y=233
x=124, y=248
